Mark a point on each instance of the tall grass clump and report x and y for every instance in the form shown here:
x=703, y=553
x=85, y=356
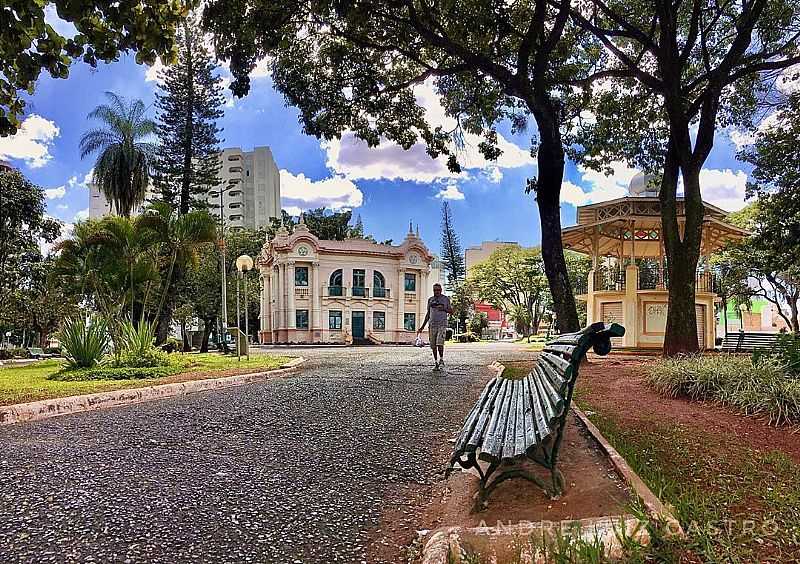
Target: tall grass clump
x=762, y=385
x=84, y=341
x=136, y=348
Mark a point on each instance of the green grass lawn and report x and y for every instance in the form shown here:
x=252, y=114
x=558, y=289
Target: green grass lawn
x=735, y=504
x=29, y=383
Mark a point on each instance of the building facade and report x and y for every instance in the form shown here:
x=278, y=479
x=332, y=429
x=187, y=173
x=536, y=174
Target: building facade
x=351, y=291
x=249, y=189
x=480, y=253
x=248, y=193
x=100, y=206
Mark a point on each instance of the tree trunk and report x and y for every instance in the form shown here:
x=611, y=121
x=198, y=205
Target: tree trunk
x=795, y=320
x=186, y=345
x=207, y=326
x=682, y=253
x=550, y=159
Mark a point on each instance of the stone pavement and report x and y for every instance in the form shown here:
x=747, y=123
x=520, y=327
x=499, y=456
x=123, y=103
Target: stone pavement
x=288, y=470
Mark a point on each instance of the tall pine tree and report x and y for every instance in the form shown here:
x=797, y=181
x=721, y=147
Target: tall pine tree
x=189, y=103
x=452, y=257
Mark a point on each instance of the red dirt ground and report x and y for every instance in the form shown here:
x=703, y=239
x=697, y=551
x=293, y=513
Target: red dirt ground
x=616, y=384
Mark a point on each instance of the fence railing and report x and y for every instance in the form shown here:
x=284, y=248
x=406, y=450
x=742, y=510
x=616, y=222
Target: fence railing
x=609, y=280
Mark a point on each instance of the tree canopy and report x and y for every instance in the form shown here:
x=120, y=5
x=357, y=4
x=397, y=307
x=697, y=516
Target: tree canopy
x=356, y=67
x=23, y=225
x=105, y=28
x=674, y=72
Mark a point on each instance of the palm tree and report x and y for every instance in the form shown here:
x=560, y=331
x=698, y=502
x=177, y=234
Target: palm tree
x=125, y=151
x=180, y=235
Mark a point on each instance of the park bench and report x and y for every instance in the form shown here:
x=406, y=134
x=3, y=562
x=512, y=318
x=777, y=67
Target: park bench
x=521, y=420
x=36, y=352
x=744, y=341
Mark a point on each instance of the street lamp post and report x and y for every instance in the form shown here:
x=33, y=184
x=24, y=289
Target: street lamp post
x=244, y=264
x=224, y=263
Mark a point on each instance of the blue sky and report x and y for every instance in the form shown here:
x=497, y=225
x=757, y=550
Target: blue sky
x=387, y=186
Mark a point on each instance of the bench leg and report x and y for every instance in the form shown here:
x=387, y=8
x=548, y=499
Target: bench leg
x=552, y=490
x=559, y=485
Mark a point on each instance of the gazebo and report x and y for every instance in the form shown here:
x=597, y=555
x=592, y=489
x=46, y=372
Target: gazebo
x=628, y=282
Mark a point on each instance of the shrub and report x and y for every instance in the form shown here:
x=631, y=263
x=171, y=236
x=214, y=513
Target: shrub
x=467, y=338
x=146, y=359
x=786, y=351
x=761, y=386
x=172, y=345
x=53, y=350
x=113, y=373
x=84, y=342
x=136, y=349
x=16, y=352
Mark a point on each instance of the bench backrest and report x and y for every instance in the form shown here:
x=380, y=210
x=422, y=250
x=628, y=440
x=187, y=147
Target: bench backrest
x=35, y=351
x=561, y=358
x=744, y=341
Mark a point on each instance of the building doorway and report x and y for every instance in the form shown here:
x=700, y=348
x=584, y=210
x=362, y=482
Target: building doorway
x=358, y=325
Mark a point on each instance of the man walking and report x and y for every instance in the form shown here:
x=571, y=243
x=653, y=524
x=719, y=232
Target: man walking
x=438, y=310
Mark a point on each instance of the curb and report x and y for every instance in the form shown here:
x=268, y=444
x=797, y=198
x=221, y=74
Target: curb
x=654, y=506
x=44, y=409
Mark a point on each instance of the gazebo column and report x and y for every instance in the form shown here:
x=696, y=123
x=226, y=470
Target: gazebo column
x=590, y=301
x=631, y=301
x=631, y=305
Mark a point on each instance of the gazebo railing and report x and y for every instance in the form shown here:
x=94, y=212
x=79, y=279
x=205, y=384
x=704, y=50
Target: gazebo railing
x=609, y=280
x=659, y=280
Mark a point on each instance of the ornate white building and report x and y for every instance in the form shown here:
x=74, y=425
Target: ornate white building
x=352, y=291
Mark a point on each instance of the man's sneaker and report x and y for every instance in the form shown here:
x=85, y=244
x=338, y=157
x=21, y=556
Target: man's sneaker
x=436, y=368
x=441, y=364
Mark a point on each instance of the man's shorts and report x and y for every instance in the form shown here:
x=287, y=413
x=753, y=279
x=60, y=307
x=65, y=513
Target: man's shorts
x=437, y=335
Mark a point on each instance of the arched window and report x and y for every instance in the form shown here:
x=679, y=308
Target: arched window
x=378, y=285
x=335, y=283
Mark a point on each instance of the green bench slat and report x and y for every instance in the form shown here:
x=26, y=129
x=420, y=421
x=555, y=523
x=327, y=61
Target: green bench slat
x=473, y=423
x=563, y=350
x=494, y=431
x=556, y=397
x=539, y=416
x=557, y=379
x=510, y=435
x=520, y=444
x=530, y=425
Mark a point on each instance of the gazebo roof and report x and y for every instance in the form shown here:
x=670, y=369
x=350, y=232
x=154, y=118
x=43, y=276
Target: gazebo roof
x=631, y=226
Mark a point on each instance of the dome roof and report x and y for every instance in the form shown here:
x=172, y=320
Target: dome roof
x=641, y=185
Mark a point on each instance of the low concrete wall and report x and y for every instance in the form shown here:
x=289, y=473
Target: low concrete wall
x=43, y=409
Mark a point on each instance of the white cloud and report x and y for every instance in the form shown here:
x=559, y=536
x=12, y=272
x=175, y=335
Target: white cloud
x=300, y=192
x=724, y=188
x=353, y=159
x=573, y=194
x=601, y=187
x=62, y=27
x=742, y=138
x=55, y=193
x=450, y=192
x=494, y=174
x=62, y=207
x=31, y=144
x=81, y=215
x=294, y=211
x=66, y=232
x=262, y=70
x=153, y=72
x=789, y=80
